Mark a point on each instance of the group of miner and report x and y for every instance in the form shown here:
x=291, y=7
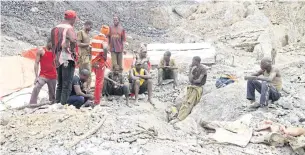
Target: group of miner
x=65, y=50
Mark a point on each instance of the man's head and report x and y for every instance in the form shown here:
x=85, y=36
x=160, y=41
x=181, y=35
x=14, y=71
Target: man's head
x=70, y=16
x=138, y=65
x=116, y=69
x=143, y=50
x=105, y=30
x=196, y=61
x=84, y=75
x=266, y=64
x=167, y=55
x=116, y=20
x=49, y=42
x=88, y=25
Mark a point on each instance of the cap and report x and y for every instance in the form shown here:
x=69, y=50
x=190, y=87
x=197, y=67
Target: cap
x=70, y=14
x=104, y=30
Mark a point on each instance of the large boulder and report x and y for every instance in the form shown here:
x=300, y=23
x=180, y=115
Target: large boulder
x=185, y=11
x=221, y=104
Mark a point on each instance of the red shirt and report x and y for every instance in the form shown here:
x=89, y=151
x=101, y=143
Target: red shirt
x=116, y=38
x=47, y=65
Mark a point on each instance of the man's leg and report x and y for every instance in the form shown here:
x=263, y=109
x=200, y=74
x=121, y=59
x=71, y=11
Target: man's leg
x=265, y=93
x=126, y=93
x=114, y=59
x=51, y=87
x=149, y=89
x=253, y=85
x=136, y=86
x=160, y=76
x=59, y=84
x=99, y=82
x=87, y=65
x=274, y=95
x=76, y=101
x=67, y=77
x=38, y=85
x=174, y=75
x=120, y=60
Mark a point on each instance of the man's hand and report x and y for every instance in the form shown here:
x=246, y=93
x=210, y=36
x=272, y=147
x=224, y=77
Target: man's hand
x=124, y=52
x=250, y=78
x=193, y=68
x=91, y=97
x=36, y=80
x=95, y=65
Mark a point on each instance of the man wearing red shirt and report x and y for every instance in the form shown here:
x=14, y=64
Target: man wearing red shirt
x=45, y=57
x=117, y=40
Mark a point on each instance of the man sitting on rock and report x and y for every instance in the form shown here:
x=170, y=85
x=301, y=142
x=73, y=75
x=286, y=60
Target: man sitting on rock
x=197, y=78
x=114, y=84
x=167, y=69
x=142, y=57
x=78, y=95
x=267, y=85
x=140, y=81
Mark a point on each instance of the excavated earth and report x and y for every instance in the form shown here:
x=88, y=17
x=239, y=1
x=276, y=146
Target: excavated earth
x=241, y=32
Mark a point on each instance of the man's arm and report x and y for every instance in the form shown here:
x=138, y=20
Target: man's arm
x=37, y=60
x=80, y=39
x=161, y=64
x=269, y=78
x=79, y=92
x=254, y=76
x=105, y=48
x=191, y=76
x=132, y=75
x=203, y=76
x=146, y=76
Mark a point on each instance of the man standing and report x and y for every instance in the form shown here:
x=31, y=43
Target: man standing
x=167, y=69
x=64, y=46
x=117, y=40
x=197, y=78
x=83, y=42
x=78, y=95
x=268, y=85
x=115, y=84
x=141, y=82
x=99, y=52
x=47, y=74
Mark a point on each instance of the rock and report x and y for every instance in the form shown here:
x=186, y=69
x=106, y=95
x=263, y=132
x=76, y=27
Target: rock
x=285, y=103
x=293, y=118
x=80, y=150
x=185, y=11
x=34, y=9
x=4, y=118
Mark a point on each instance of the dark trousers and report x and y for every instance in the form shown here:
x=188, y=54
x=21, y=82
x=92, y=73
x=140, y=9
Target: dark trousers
x=64, y=79
x=77, y=101
x=111, y=89
x=267, y=91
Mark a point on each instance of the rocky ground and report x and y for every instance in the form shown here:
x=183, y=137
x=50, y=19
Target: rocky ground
x=241, y=32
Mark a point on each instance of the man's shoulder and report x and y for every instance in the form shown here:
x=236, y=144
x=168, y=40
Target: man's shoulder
x=76, y=78
x=202, y=68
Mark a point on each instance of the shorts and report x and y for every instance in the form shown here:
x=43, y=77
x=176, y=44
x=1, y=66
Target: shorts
x=143, y=87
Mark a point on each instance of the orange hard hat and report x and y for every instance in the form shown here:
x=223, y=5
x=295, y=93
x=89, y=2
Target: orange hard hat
x=105, y=30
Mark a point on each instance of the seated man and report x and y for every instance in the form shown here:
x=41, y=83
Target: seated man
x=78, y=96
x=114, y=84
x=197, y=78
x=268, y=85
x=142, y=57
x=140, y=81
x=167, y=69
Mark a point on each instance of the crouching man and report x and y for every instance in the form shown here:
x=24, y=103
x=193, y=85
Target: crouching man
x=78, y=95
x=114, y=84
x=167, y=69
x=140, y=82
x=267, y=85
x=197, y=78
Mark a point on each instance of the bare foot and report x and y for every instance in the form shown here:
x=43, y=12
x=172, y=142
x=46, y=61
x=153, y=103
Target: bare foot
x=136, y=102
x=152, y=103
x=174, y=121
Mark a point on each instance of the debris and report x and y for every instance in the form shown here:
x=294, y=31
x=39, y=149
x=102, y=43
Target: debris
x=86, y=135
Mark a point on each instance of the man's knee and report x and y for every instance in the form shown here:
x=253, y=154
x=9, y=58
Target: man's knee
x=137, y=82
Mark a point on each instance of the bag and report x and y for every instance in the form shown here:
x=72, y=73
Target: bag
x=224, y=81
